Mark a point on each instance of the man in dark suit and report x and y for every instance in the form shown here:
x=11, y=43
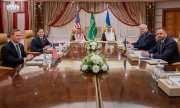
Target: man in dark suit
x=165, y=49
x=13, y=52
x=146, y=39
x=40, y=42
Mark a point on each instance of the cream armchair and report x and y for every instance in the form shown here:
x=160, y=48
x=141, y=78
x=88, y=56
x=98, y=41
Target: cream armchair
x=28, y=37
x=3, y=70
x=178, y=45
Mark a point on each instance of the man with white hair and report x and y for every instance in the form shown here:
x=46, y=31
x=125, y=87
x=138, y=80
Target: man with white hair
x=108, y=35
x=146, y=39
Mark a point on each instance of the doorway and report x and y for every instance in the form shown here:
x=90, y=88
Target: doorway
x=171, y=21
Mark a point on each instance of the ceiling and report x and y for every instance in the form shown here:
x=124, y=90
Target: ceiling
x=93, y=0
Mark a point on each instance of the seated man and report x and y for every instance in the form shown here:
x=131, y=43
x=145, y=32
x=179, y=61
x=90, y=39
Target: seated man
x=78, y=36
x=13, y=53
x=165, y=49
x=40, y=42
x=108, y=35
x=146, y=39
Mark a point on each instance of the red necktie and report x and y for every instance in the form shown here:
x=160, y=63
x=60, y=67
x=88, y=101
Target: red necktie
x=42, y=42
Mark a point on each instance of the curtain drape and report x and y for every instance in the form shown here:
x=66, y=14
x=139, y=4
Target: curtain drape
x=1, y=15
x=121, y=29
x=60, y=14
x=7, y=19
x=130, y=13
x=26, y=15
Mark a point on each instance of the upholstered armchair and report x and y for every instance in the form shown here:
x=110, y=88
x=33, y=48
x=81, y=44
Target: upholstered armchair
x=28, y=37
x=178, y=45
x=3, y=70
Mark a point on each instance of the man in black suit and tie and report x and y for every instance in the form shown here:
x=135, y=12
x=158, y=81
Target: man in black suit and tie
x=165, y=49
x=40, y=42
x=146, y=39
x=13, y=52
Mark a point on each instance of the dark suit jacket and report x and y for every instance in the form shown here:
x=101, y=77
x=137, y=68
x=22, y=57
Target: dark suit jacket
x=145, y=42
x=36, y=44
x=103, y=38
x=10, y=55
x=169, y=51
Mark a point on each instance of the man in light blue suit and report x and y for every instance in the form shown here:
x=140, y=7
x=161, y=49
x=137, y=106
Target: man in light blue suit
x=166, y=48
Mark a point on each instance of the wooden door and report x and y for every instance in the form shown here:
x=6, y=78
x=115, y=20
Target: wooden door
x=172, y=21
x=177, y=23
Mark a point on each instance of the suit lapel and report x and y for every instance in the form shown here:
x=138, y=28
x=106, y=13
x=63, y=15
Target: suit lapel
x=164, y=44
x=41, y=44
x=13, y=49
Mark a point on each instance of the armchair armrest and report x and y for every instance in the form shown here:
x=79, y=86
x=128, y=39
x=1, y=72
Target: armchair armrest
x=177, y=63
x=5, y=70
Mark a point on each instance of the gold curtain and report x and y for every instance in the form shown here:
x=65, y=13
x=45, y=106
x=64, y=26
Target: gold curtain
x=130, y=13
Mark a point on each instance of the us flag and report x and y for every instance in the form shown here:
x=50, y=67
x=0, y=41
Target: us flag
x=77, y=21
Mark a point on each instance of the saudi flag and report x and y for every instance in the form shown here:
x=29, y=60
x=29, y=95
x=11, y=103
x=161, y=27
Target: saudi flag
x=92, y=29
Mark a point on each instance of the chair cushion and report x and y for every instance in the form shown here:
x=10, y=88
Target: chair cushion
x=3, y=38
x=178, y=45
x=28, y=34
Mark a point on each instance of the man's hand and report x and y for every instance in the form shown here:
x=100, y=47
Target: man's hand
x=129, y=45
x=144, y=54
x=29, y=57
x=45, y=48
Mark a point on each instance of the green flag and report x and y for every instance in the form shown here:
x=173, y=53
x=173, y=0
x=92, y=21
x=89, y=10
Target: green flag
x=92, y=29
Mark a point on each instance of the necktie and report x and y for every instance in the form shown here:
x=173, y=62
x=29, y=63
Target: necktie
x=161, y=48
x=42, y=41
x=18, y=51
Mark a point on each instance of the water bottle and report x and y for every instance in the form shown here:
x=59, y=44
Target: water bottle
x=158, y=63
x=60, y=47
x=157, y=71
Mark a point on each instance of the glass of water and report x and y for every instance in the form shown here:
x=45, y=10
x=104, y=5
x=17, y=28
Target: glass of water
x=49, y=61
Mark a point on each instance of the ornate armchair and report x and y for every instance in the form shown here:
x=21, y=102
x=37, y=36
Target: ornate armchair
x=178, y=45
x=28, y=37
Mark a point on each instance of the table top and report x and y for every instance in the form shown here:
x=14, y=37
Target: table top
x=126, y=84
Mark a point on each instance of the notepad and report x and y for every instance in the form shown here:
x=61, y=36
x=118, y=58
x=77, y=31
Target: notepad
x=34, y=63
x=30, y=69
x=175, y=79
x=39, y=58
x=154, y=61
x=145, y=58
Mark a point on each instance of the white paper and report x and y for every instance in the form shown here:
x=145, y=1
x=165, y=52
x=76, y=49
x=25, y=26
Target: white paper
x=175, y=79
x=30, y=69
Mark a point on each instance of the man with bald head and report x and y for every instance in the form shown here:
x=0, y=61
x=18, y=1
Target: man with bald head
x=146, y=39
x=166, y=48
